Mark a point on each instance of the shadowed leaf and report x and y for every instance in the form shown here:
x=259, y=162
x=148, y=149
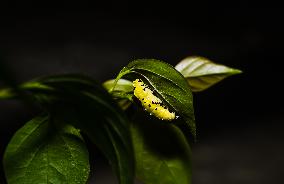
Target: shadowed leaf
x=40, y=152
x=83, y=103
x=162, y=153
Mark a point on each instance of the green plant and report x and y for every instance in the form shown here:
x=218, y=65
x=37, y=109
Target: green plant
x=51, y=149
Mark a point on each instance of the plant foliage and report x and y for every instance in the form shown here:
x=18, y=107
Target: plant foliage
x=51, y=149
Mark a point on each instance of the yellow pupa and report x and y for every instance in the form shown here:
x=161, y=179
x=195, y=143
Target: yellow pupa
x=150, y=102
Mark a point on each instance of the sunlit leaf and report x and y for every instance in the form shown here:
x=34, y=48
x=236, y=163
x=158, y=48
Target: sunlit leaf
x=122, y=91
x=122, y=85
x=202, y=73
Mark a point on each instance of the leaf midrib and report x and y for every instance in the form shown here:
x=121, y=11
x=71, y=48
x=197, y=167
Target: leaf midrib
x=164, y=77
x=30, y=133
x=233, y=72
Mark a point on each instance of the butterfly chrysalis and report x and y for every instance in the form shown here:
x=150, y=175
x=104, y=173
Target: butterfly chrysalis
x=150, y=102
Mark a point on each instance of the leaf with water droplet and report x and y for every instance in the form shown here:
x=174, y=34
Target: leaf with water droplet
x=43, y=152
x=82, y=102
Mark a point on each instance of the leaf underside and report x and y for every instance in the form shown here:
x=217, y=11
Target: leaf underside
x=121, y=91
x=202, y=73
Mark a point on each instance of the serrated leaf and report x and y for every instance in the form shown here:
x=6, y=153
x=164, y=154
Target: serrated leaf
x=202, y=73
x=169, y=85
x=42, y=153
x=82, y=102
x=163, y=157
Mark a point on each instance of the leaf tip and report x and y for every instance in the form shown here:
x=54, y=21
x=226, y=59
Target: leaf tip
x=237, y=71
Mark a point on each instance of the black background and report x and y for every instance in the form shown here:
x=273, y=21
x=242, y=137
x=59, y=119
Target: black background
x=240, y=121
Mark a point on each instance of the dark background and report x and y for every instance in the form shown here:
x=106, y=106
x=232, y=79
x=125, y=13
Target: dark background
x=240, y=121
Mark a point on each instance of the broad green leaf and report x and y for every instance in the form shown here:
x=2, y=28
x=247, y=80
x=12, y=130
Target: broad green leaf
x=122, y=91
x=168, y=84
x=162, y=154
x=202, y=73
x=82, y=102
x=43, y=153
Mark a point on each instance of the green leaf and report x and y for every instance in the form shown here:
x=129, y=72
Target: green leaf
x=169, y=85
x=6, y=93
x=12, y=89
x=80, y=101
x=122, y=85
x=7, y=79
x=163, y=157
x=202, y=73
x=42, y=153
x=122, y=91
x=10, y=93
